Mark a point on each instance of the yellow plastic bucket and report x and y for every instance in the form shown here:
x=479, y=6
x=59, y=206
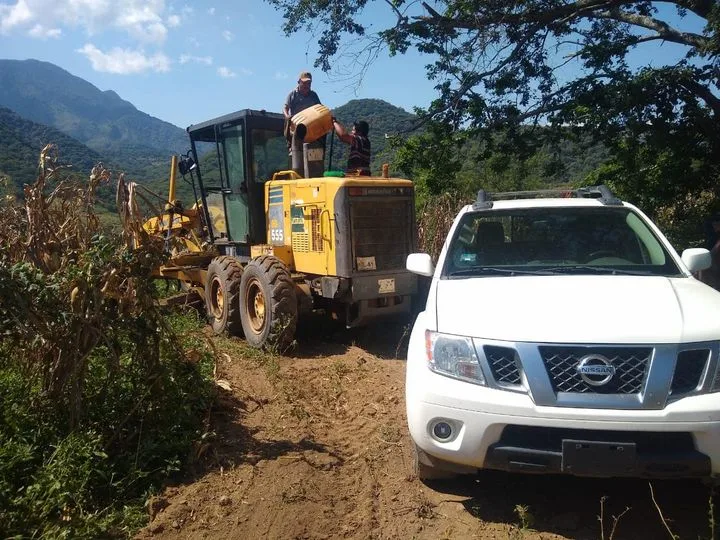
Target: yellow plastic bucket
x=312, y=123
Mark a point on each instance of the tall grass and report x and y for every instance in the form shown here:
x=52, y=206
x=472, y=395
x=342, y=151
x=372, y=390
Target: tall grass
x=435, y=217
x=101, y=394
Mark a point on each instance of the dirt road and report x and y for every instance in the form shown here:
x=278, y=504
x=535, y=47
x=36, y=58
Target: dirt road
x=315, y=446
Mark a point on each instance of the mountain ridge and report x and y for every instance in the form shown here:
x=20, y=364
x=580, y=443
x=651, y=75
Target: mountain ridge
x=102, y=120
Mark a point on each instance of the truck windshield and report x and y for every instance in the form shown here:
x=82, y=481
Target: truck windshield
x=269, y=154
x=545, y=241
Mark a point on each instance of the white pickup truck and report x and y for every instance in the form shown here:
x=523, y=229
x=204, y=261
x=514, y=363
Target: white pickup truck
x=564, y=334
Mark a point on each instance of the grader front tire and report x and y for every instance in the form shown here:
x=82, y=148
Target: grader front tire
x=222, y=295
x=268, y=304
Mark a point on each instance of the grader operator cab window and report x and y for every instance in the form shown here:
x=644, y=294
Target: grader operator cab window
x=232, y=149
x=269, y=152
x=239, y=152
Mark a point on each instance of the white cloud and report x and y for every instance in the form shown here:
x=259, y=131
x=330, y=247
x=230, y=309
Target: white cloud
x=194, y=42
x=151, y=33
x=226, y=73
x=188, y=58
x=40, y=32
x=245, y=71
x=124, y=61
x=142, y=19
x=211, y=11
x=12, y=16
x=281, y=75
x=228, y=35
x=173, y=21
x=187, y=11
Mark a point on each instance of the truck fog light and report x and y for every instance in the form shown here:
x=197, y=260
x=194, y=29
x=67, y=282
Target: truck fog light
x=442, y=431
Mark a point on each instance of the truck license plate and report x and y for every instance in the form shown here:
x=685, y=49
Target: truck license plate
x=598, y=458
x=366, y=263
x=386, y=286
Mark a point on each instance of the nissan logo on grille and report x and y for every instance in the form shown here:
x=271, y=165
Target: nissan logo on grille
x=595, y=369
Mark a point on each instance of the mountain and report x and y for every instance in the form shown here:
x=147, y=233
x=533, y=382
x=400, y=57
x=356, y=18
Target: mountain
x=49, y=95
x=383, y=118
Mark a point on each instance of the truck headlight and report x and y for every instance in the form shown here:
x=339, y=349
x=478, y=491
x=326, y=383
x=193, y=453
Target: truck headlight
x=453, y=356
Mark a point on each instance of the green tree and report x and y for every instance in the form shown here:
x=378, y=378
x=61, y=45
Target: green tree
x=561, y=63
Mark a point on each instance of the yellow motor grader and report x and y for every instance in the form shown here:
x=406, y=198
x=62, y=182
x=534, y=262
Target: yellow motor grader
x=264, y=243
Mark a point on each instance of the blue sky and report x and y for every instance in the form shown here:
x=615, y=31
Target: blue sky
x=186, y=62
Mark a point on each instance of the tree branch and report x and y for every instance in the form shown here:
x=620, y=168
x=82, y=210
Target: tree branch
x=539, y=17
x=701, y=8
x=400, y=16
x=703, y=93
x=590, y=9
x=664, y=30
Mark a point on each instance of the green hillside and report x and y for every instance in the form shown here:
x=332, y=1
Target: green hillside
x=383, y=118
x=22, y=142
x=46, y=94
x=567, y=161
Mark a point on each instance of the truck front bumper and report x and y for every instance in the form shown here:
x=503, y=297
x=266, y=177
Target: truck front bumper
x=563, y=444
x=468, y=426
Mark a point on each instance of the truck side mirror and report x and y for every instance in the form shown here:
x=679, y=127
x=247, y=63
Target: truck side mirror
x=420, y=263
x=696, y=259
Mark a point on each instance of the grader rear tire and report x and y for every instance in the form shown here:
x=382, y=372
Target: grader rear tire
x=222, y=295
x=268, y=305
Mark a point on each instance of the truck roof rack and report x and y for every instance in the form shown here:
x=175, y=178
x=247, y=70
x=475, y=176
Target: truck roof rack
x=485, y=199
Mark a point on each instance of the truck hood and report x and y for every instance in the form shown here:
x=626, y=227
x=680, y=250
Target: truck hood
x=579, y=309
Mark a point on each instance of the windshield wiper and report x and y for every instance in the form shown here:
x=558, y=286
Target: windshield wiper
x=485, y=270
x=578, y=269
x=587, y=269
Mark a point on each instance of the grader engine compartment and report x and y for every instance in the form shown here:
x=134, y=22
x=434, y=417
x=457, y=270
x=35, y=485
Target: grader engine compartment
x=262, y=246
x=350, y=237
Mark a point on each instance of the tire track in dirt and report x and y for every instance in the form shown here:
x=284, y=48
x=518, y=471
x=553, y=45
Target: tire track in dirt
x=316, y=446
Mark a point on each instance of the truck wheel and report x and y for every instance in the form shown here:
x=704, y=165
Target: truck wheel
x=268, y=304
x=222, y=295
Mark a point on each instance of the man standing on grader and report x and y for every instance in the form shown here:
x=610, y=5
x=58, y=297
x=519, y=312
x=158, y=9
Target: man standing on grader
x=302, y=98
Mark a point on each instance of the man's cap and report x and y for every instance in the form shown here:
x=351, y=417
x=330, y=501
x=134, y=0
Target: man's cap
x=305, y=76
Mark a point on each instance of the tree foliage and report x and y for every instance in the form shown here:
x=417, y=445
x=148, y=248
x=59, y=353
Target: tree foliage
x=495, y=60
x=570, y=63
x=23, y=140
x=442, y=159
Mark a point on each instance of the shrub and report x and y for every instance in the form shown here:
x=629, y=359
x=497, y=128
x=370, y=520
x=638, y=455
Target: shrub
x=101, y=394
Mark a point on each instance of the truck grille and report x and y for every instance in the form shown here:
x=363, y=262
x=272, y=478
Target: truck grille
x=502, y=363
x=688, y=371
x=630, y=363
x=381, y=230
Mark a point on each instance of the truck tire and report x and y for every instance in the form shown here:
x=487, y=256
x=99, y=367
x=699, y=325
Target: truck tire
x=222, y=295
x=268, y=304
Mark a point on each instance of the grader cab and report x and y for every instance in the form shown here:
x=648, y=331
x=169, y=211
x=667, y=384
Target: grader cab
x=262, y=245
